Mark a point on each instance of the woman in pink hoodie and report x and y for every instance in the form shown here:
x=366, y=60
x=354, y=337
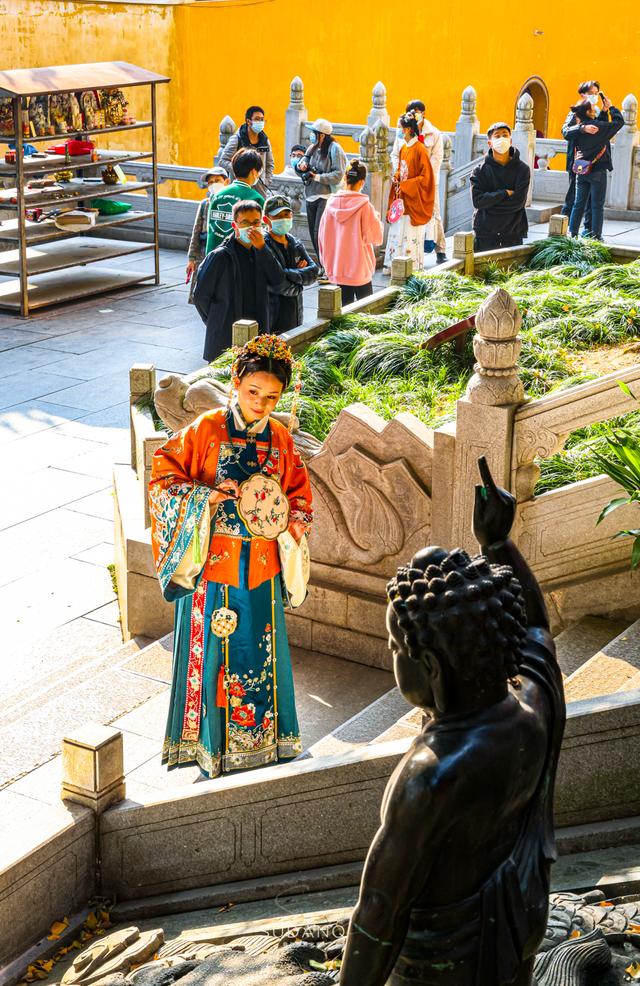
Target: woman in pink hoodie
x=349, y=230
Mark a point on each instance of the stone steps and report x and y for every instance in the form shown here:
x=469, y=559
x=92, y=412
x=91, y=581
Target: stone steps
x=365, y=727
x=541, y=212
x=580, y=641
x=612, y=669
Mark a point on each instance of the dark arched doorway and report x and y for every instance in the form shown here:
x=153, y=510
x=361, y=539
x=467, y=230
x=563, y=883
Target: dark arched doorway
x=540, y=96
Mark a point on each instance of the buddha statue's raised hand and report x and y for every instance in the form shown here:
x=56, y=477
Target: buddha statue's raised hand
x=494, y=509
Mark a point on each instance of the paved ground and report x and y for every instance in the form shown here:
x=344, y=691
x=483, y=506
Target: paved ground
x=63, y=422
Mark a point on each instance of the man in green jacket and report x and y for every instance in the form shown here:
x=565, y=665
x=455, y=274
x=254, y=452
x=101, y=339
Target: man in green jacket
x=247, y=165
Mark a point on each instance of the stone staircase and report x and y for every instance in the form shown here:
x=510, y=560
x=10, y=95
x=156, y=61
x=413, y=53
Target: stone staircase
x=597, y=656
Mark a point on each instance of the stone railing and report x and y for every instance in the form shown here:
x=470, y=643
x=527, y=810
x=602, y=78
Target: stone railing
x=557, y=531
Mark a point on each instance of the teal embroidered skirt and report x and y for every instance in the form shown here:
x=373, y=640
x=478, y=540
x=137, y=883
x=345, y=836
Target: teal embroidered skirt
x=256, y=724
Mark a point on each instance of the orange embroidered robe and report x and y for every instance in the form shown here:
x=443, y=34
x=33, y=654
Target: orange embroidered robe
x=417, y=183
x=184, y=470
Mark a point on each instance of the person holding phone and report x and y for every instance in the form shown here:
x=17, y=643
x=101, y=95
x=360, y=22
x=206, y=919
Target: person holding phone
x=588, y=92
x=592, y=161
x=234, y=280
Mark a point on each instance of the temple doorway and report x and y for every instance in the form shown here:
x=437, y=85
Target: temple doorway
x=540, y=96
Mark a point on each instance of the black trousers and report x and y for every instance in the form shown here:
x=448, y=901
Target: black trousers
x=570, y=199
x=351, y=293
x=314, y=215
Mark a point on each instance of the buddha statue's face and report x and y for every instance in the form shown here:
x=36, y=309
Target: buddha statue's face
x=413, y=673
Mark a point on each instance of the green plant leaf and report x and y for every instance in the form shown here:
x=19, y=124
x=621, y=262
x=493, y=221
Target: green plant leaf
x=625, y=388
x=613, y=505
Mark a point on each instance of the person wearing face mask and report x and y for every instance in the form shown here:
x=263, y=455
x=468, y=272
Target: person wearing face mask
x=251, y=135
x=246, y=166
x=588, y=92
x=295, y=156
x=210, y=180
x=321, y=169
x=499, y=189
x=349, y=231
x=431, y=137
x=413, y=183
x=592, y=162
x=235, y=278
x=286, y=305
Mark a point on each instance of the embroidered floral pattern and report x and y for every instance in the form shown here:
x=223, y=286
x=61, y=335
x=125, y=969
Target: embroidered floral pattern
x=193, y=700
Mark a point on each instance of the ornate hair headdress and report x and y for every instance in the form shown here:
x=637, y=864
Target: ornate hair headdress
x=273, y=347
x=270, y=346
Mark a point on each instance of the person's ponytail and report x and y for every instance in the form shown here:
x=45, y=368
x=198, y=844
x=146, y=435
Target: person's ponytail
x=356, y=172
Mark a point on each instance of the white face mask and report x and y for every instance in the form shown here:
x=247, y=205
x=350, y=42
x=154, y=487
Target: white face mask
x=501, y=144
x=593, y=98
x=419, y=116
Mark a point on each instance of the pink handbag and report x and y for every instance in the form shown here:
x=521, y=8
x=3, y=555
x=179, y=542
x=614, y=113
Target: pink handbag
x=396, y=209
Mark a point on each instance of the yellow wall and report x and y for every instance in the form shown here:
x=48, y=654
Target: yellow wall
x=223, y=56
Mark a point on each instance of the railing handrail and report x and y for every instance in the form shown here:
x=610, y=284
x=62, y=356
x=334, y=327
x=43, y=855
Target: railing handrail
x=579, y=393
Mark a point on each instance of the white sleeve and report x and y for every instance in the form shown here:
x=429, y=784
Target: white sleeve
x=395, y=153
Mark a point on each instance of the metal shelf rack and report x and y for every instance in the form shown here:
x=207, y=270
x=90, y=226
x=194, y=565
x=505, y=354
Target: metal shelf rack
x=45, y=270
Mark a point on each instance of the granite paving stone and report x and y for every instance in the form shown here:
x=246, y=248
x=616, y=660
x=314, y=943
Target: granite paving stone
x=33, y=416
x=20, y=387
x=113, y=389
x=46, y=490
x=40, y=542
x=99, y=504
x=11, y=338
x=108, y=614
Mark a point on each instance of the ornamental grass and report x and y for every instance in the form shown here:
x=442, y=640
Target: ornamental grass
x=571, y=297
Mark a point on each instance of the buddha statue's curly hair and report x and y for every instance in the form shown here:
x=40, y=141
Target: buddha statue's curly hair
x=464, y=609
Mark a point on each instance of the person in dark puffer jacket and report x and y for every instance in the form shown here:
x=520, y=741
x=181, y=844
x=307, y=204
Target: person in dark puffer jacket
x=499, y=189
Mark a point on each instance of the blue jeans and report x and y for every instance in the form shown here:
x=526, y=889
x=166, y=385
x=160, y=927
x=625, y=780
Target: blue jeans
x=593, y=187
x=570, y=199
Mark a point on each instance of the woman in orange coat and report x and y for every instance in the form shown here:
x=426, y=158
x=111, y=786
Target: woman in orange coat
x=232, y=703
x=414, y=183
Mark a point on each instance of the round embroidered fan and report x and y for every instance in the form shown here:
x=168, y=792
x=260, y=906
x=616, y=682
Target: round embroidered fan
x=263, y=506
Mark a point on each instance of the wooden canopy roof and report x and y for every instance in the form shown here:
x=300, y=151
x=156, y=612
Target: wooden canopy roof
x=68, y=78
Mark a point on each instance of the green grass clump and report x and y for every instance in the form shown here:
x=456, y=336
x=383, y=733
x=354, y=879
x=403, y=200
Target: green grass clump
x=584, y=255
x=579, y=460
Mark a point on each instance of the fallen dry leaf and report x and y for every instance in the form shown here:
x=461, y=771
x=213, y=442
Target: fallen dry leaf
x=633, y=970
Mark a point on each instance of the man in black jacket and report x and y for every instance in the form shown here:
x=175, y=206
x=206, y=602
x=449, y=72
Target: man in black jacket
x=499, y=188
x=234, y=280
x=286, y=306
x=592, y=137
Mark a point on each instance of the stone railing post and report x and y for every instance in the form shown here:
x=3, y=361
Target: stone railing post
x=243, y=330
x=368, y=155
x=558, y=225
x=484, y=422
x=463, y=250
x=227, y=128
x=379, y=168
x=445, y=171
x=622, y=153
x=92, y=767
x=378, y=112
x=467, y=128
x=329, y=301
x=142, y=381
x=295, y=116
x=401, y=270
x=524, y=135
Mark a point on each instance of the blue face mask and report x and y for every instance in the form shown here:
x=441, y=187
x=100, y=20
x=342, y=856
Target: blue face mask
x=281, y=226
x=243, y=234
x=294, y=161
x=257, y=126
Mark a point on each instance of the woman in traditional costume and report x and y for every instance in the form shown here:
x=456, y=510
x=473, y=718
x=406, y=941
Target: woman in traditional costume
x=224, y=493
x=414, y=185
